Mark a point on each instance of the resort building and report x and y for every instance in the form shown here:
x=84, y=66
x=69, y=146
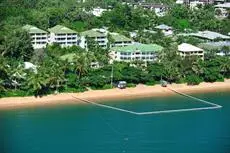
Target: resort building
x=120, y=40
x=141, y=52
x=209, y=35
x=63, y=36
x=185, y=50
x=166, y=30
x=222, y=48
x=39, y=37
x=98, y=35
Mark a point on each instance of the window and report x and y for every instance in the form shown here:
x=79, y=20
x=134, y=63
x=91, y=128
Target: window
x=60, y=34
x=60, y=39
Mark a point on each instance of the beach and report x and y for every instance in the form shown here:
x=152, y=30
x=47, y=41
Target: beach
x=140, y=91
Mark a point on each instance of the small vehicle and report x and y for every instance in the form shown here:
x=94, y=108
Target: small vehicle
x=122, y=84
x=164, y=83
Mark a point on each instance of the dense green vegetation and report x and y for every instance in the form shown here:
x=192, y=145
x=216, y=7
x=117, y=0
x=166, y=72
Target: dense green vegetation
x=56, y=74
x=70, y=69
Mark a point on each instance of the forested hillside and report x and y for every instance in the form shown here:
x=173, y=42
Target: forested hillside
x=71, y=13
x=55, y=74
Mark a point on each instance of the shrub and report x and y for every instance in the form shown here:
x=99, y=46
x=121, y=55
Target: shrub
x=150, y=83
x=193, y=80
x=131, y=85
x=16, y=93
x=107, y=86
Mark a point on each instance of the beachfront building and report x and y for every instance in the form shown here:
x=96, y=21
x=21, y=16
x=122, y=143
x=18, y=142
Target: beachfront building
x=63, y=36
x=186, y=50
x=39, y=37
x=136, y=52
x=98, y=35
x=165, y=29
x=120, y=40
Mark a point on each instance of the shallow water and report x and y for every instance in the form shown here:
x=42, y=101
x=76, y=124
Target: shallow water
x=90, y=129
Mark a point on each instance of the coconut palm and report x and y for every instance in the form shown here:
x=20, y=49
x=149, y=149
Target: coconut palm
x=38, y=82
x=56, y=77
x=225, y=67
x=82, y=63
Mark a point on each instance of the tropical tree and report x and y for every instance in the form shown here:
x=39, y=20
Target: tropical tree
x=225, y=67
x=82, y=63
x=226, y=50
x=37, y=83
x=56, y=75
x=17, y=45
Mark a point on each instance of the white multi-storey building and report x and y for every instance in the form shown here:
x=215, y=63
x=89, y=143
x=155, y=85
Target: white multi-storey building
x=98, y=35
x=63, y=36
x=120, y=40
x=136, y=52
x=39, y=37
x=186, y=50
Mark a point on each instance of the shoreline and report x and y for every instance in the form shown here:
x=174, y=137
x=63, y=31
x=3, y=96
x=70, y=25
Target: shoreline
x=141, y=91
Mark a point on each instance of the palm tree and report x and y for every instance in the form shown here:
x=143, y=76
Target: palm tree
x=56, y=76
x=37, y=82
x=2, y=88
x=82, y=63
x=225, y=67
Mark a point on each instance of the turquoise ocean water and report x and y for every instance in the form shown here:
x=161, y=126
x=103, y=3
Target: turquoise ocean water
x=90, y=129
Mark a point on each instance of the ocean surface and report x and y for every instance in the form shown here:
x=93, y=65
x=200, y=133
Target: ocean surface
x=91, y=129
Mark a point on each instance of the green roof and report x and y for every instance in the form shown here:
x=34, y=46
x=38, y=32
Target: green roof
x=118, y=37
x=33, y=29
x=139, y=47
x=93, y=33
x=59, y=29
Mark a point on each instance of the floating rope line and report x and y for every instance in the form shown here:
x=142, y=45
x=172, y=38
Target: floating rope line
x=213, y=106
x=198, y=99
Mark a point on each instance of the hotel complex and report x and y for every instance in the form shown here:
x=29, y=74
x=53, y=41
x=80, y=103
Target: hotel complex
x=120, y=40
x=39, y=37
x=186, y=50
x=63, y=36
x=121, y=47
x=144, y=52
x=98, y=35
x=67, y=37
